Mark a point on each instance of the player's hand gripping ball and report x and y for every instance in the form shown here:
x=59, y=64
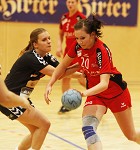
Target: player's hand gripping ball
x=71, y=99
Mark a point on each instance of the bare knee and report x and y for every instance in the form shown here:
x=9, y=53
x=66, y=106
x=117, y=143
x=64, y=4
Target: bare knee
x=49, y=124
x=131, y=137
x=46, y=125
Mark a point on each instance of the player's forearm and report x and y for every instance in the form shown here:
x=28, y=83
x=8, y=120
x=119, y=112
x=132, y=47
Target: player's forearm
x=56, y=75
x=95, y=89
x=76, y=75
x=71, y=72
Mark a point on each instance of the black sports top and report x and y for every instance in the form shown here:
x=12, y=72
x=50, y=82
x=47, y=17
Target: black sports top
x=25, y=71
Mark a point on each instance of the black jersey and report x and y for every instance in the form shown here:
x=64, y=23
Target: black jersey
x=25, y=74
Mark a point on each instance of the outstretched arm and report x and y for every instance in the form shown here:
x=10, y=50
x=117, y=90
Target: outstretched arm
x=58, y=72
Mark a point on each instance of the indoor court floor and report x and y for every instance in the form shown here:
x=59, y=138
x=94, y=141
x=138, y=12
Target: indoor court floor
x=65, y=132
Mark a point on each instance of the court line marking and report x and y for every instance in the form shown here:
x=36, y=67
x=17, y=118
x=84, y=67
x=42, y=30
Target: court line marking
x=71, y=143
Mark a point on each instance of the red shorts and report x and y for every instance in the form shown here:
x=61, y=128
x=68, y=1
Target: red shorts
x=117, y=104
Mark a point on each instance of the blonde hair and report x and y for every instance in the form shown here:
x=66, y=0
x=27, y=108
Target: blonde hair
x=33, y=38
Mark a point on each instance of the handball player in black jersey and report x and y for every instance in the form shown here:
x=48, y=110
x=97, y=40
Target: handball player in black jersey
x=34, y=62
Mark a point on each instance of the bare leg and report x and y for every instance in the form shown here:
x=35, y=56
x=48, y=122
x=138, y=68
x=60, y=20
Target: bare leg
x=96, y=146
x=82, y=82
x=38, y=126
x=65, y=84
x=27, y=141
x=65, y=87
x=98, y=112
x=125, y=121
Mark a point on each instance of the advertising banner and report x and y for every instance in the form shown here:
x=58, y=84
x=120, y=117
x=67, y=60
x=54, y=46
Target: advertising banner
x=112, y=12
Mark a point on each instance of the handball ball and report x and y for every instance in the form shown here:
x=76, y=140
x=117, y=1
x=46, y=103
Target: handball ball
x=71, y=99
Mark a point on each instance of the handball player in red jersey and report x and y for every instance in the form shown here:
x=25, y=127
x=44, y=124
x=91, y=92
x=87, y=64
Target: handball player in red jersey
x=106, y=88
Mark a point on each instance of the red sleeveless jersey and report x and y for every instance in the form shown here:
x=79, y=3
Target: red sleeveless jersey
x=96, y=61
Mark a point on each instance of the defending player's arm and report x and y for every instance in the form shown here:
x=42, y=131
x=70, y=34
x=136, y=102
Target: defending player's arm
x=48, y=70
x=60, y=69
x=71, y=72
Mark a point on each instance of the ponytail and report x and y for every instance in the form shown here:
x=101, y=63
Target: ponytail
x=29, y=47
x=90, y=26
x=97, y=25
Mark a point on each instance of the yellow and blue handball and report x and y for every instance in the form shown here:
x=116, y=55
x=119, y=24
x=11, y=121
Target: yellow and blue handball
x=71, y=99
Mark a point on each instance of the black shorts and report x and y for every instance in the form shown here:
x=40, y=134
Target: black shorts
x=14, y=112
